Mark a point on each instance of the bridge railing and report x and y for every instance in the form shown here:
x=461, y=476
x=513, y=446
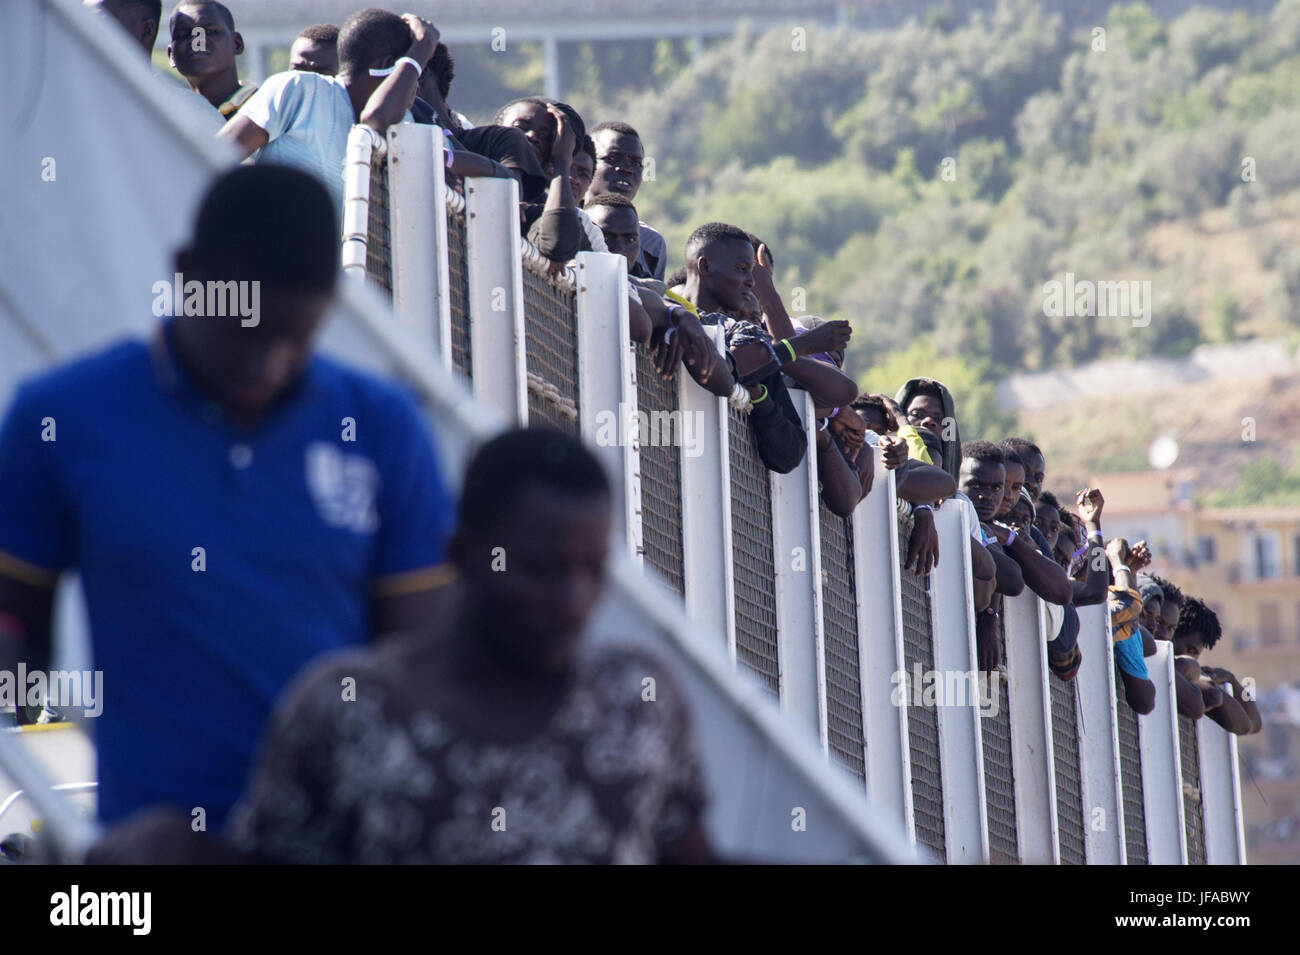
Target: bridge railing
x=873, y=663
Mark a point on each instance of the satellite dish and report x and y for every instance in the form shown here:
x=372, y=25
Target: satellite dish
x=1163, y=453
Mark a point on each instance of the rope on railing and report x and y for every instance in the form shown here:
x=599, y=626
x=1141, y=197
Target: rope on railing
x=455, y=200
x=540, y=266
x=551, y=394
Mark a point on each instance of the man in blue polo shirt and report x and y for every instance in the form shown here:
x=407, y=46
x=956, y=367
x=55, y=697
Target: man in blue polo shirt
x=235, y=504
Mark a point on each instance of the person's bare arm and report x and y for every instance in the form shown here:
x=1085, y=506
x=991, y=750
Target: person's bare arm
x=922, y=544
x=829, y=386
x=388, y=103
x=922, y=483
x=841, y=489
x=984, y=575
x=1239, y=694
x=1191, y=702
x=244, y=134
x=639, y=325
x=1010, y=579
x=1140, y=693
x=1092, y=589
x=1042, y=575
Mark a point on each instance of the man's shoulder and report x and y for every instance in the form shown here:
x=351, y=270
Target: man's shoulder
x=108, y=372
x=650, y=238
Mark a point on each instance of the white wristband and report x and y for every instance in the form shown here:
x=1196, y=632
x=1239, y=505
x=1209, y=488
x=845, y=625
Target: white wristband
x=419, y=70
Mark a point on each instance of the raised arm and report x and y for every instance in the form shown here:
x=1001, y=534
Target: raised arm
x=391, y=99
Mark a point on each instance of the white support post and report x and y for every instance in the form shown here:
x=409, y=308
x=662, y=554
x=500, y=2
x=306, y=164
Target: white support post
x=1099, y=740
x=1031, y=730
x=606, y=383
x=417, y=200
x=1162, y=768
x=961, y=746
x=881, y=663
x=362, y=144
x=706, y=510
x=796, y=531
x=1225, y=838
x=496, y=295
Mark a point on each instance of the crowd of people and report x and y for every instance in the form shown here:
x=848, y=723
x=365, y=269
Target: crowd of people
x=172, y=456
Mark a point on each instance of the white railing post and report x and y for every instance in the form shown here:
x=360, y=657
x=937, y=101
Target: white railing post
x=881, y=663
x=362, y=143
x=1225, y=838
x=607, y=383
x=496, y=296
x=417, y=204
x=796, y=559
x=1162, y=768
x=961, y=745
x=1099, y=739
x=1031, y=730
x=706, y=510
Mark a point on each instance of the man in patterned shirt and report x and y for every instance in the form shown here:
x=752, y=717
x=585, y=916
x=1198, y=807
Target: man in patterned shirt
x=499, y=737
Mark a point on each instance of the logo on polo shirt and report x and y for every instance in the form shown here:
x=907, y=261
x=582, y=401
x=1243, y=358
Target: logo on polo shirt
x=343, y=487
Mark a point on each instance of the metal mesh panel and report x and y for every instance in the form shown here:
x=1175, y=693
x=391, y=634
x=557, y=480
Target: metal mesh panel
x=840, y=624
x=999, y=775
x=458, y=293
x=1190, y=756
x=1069, y=781
x=1130, y=773
x=661, y=476
x=551, y=343
x=379, y=237
x=922, y=721
x=751, y=555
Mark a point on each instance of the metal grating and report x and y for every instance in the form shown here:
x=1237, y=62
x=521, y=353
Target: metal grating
x=458, y=293
x=379, y=237
x=661, y=473
x=999, y=774
x=1130, y=774
x=751, y=555
x=922, y=721
x=1189, y=754
x=1069, y=780
x=840, y=625
x=551, y=344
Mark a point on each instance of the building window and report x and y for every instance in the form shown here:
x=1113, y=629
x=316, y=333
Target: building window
x=1205, y=553
x=1266, y=557
x=1270, y=623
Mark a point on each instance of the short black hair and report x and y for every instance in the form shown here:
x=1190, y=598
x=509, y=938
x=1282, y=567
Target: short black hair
x=269, y=223
x=983, y=451
x=874, y=403
x=222, y=11
x=928, y=387
x=1173, y=595
x=1023, y=447
x=443, y=68
x=1197, y=617
x=612, y=199
x=572, y=115
x=677, y=278
x=618, y=127
x=588, y=146
x=512, y=462
x=320, y=33
x=1048, y=499
x=710, y=233
x=151, y=7
x=371, y=35
x=1009, y=453
x=535, y=100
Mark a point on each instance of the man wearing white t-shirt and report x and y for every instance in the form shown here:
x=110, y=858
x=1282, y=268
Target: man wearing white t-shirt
x=303, y=119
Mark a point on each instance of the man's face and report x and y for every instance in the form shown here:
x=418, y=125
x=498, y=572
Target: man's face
x=1189, y=644
x=536, y=124
x=621, y=229
x=313, y=56
x=1063, y=549
x=1015, y=480
x=201, y=43
x=982, y=482
x=925, y=412
x=1150, y=616
x=727, y=273
x=1035, y=473
x=580, y=174
x=555, y=549
x=1167, y=621
x=619, y=162
x=248, y=368
x=133, y=19
x=1048, y=523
